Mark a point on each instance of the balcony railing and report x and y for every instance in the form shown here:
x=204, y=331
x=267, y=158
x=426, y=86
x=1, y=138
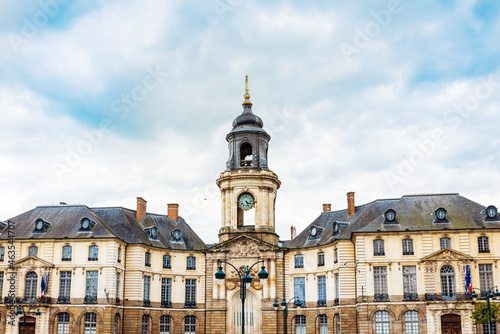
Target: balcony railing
x=378, y=253
x=63, y=299
x=91, y=258
x=27, y=300
x=336, y=301
x=146, y=302
x=438, y=296
x=381, y=297
x=482, y=250
x=117, y=300
x=321, y=302
x=408, y=253
x=166, y=303
x=90, y=299
x=190, y=305
x=410, y=296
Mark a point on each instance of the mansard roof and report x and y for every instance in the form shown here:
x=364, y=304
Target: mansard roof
x=413, y=213
x=110, y=222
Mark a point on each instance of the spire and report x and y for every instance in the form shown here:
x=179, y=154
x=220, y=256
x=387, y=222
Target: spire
x=247, y=94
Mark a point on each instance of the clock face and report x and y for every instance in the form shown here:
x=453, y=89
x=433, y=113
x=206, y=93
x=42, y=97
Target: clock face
x=314, y=231
x=154, y=233
x=441, y=214
x=491, y=212
x=85, y=224
x=390, y=215
x=246, y=201
x=39, y=225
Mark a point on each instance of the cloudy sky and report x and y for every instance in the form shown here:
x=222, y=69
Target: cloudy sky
x=104, y=101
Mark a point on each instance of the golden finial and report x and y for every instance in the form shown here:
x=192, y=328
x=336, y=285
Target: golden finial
x=247, y=94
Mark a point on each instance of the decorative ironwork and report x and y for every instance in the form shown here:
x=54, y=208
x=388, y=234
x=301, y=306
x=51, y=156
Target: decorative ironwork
x=381, y=297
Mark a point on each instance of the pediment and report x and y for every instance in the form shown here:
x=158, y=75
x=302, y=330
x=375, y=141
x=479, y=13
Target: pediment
x=243, y=246
x=33, y=262
x=446, y=255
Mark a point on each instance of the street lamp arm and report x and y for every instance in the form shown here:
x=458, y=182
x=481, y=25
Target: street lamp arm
x=220, y=261
x=254, y=265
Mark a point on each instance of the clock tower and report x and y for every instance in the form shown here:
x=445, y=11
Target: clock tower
x=248, y=188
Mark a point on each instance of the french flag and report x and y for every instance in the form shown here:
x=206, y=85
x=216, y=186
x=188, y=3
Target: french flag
x=44, y=284
x=468, y=283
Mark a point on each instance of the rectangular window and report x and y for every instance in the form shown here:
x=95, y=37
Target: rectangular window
x=321, y=259
x=66, y=253
x=91, y=287
x=380, y=283
x=486, y=328
x=1, y=283
x=321, y=290
x=94, y=253
x=147, y=284
x=410, y=282
x=117, y=288
x=64, y=286
x=337, y=288
x=445, y=243
x=190, y=292
x=299, y=261
x=191, y=263
x=378, y=247
x=407, y=246
x=166, y=292
x=483, y=245
x=335, y=255
x=485, y=276
x=147, y=259
x=2, y=254
x=300, y=289
x=166, y=262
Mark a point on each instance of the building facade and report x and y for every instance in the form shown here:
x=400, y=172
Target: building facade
x=389, y=266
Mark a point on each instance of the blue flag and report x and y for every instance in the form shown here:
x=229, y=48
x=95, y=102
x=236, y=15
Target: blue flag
x=468, y=283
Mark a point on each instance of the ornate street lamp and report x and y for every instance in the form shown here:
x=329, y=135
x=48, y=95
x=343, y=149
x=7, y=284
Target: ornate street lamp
x=489, y=294
x=284, y=304
x=21, y=310
x=245, y=282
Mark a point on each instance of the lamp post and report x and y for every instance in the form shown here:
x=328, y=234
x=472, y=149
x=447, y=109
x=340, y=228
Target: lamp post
x=21, y=310
x=489, y=294
x=245, y=281
x=285, y=305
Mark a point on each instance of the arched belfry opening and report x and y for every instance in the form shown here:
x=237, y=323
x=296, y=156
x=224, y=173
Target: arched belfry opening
x=248, y=187
x=246, y=155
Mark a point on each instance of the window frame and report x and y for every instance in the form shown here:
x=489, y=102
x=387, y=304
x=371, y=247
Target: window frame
x=190, y=293
x=407, y=245
x=167, y=261
x=380, y=283
x=191, y=263
x=382, y=322
x=445, y=242
x=299, y=290
x=147, y=259
x=321, y=259
x=322, y=290
x=62, y=324
x=166, y=292
x=299, y=261
x=67, y=253
x=93, y=253
x=483, y=244
x=33, y=250
x=189, y=324
x=411, y=322
x=378, y=247
x=90, y=323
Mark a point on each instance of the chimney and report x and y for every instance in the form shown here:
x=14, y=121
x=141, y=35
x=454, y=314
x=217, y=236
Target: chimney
x=293, y=233
x=327, y=207
x=351, y=209
x=141, y=208
x=173, y=211
x=63, y=203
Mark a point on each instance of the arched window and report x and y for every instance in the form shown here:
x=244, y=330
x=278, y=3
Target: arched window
x=445, y=243
x=165, y=324
x=33, y=251
x=300, y=324
x=63, y=323
x=448, y=291
x=337, y=323
x=166, y=262
x=378, y=247
x=382, y=322
x=411, y=322
x=323, y=324
x=30, y=287
x=145, y=324
x=190, y=324
x=246, y=156
x=90, y=323
x=299, y=261
x=66, y=253
x=116, y=324
x=483, y=245
x=93, y=253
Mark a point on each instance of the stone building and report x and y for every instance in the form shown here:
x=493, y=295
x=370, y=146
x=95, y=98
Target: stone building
x=389, y=266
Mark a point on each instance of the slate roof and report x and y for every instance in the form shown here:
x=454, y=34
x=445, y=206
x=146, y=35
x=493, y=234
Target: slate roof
x=111, y=222
x=413, y=213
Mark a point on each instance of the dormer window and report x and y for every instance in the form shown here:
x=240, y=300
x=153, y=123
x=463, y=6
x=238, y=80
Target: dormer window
x=315, y=232
x=336, y=229
x=41, y=226
x=176, y=235
x=440, y=216
x=390, y=217
x=86, y=225
x=491, y=213
x=152, y=232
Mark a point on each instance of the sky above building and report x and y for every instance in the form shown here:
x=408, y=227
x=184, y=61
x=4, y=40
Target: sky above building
x=104, y=101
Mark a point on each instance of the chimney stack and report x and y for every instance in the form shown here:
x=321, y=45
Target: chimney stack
x=327, y=207
x=173, y=211
x=141, y=208
x=351, y=209
x=293, y=233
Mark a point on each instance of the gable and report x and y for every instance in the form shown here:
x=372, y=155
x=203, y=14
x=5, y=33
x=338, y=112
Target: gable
x=33, y=262
x=446, y=255
x=243, y=246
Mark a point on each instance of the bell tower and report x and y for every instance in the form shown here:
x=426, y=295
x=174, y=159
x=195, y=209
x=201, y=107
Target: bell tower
x=248, y=188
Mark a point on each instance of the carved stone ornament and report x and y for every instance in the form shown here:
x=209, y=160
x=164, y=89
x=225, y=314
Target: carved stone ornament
x=166, y=312
x=381, y=307
x=300, y=312
x=190, y=312
x=244, y=248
